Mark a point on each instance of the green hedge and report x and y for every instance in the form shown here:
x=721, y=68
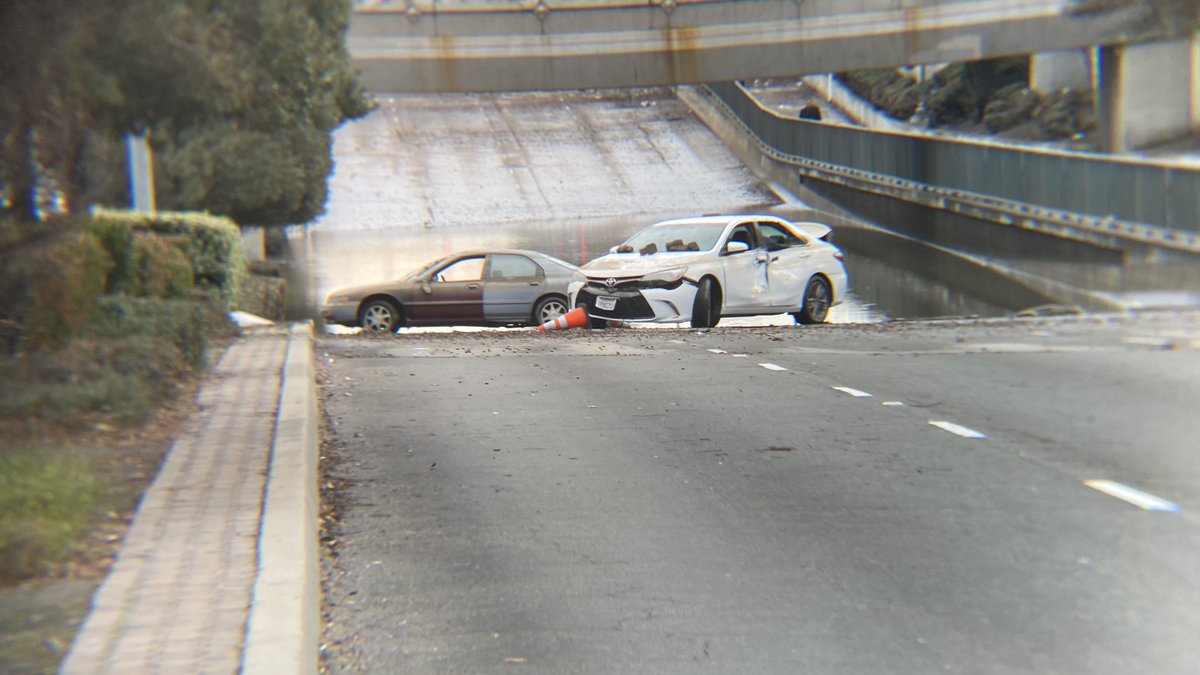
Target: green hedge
x=212, y=244
x=51, y=287
x=187, y=324
x=119, y=368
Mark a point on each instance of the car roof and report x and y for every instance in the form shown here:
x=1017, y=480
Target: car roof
x=514, y=251
x=722, y=220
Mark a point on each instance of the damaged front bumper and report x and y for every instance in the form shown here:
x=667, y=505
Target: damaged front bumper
x=647, y=305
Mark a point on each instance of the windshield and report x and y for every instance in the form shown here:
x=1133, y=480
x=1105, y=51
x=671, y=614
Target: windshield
x=561, y=263
x=674, y=238
x=420, y=271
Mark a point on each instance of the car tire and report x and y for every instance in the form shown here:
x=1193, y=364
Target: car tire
x=549, y=308
x=380, y=316
x=593, y=323
x=706, y=308
x=817, y=299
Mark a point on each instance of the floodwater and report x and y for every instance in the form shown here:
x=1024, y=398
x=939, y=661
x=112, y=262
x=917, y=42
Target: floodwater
x=567, y=173
x=324, y=260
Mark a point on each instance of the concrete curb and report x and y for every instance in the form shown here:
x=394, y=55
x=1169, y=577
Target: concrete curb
x=283, y=629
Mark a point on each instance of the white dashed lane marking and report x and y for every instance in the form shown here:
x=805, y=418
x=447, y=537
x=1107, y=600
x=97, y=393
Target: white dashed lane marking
x=1146, y=341
x=956, y=429
x=1123, y=492
x=1134, y=496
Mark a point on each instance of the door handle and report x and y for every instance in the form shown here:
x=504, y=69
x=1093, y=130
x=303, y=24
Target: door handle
x=472, y=286
x=535, y=283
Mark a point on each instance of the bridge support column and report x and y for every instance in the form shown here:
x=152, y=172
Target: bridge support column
x=254, y=242
x=1052, y=71
x=1149, y=94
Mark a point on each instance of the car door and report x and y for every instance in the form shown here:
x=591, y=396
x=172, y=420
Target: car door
x=451, y=294
x=790, y=263
x=512, y=284
x=746, y=286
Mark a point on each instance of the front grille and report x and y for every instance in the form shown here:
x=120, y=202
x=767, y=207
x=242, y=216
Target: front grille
x=630, y=285
x=631, y=306
x=598, y=286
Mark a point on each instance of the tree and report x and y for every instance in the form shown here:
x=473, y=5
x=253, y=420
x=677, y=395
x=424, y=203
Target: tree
x=240, y=99
x=266, y=161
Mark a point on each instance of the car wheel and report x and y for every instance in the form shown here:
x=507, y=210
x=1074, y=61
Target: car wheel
x=548, y=309
x=381, y=316
x=593, y=323
x=706, y=308
x=816, y=302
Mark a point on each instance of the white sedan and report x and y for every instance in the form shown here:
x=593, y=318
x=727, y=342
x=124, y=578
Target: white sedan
x=699, y=270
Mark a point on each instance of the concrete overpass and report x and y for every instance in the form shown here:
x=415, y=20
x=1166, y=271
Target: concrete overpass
x=514, y=45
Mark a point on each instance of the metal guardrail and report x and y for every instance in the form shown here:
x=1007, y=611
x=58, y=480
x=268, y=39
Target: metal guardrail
x=1150, y=201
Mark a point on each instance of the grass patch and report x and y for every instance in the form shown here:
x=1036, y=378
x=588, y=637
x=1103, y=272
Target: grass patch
x=48, y=498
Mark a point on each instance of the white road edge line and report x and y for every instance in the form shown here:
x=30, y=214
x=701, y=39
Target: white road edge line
x=1142, y=500
x=772, y=366
x=856, y=393
x=718, y=351
x=957, y=429
x=894, y=404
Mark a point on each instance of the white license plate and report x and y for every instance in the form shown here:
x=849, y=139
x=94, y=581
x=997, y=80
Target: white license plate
x=606, y=303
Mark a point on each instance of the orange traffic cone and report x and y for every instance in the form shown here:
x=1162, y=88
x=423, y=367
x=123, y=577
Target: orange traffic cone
x=576, y=318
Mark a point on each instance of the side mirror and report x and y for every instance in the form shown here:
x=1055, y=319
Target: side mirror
x=736, y=247
x=426, y=287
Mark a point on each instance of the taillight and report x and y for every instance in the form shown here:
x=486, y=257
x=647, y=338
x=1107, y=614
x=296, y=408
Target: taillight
x=839, y=256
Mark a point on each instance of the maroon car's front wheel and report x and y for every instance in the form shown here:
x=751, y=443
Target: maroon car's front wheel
x=380, y=316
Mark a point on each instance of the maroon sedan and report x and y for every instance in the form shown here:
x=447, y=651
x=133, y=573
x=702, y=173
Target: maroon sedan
x=478, y=288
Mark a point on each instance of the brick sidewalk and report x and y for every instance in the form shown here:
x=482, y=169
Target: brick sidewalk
x=178, y=597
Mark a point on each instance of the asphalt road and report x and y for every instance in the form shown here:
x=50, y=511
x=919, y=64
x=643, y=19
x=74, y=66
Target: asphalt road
x=673, y=501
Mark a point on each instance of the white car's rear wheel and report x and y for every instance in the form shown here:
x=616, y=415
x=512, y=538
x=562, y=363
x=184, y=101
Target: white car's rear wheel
x=817, y=298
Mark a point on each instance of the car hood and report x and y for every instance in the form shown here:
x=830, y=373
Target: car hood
x=633, y=264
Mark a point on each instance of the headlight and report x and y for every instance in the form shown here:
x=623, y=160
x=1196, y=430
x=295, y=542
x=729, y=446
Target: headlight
x=336, y=299
x=666, y=276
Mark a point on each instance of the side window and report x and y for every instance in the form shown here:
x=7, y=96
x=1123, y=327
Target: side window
x=776, y=237
x=468, y=269
x=744, y=234
x=508, y=266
